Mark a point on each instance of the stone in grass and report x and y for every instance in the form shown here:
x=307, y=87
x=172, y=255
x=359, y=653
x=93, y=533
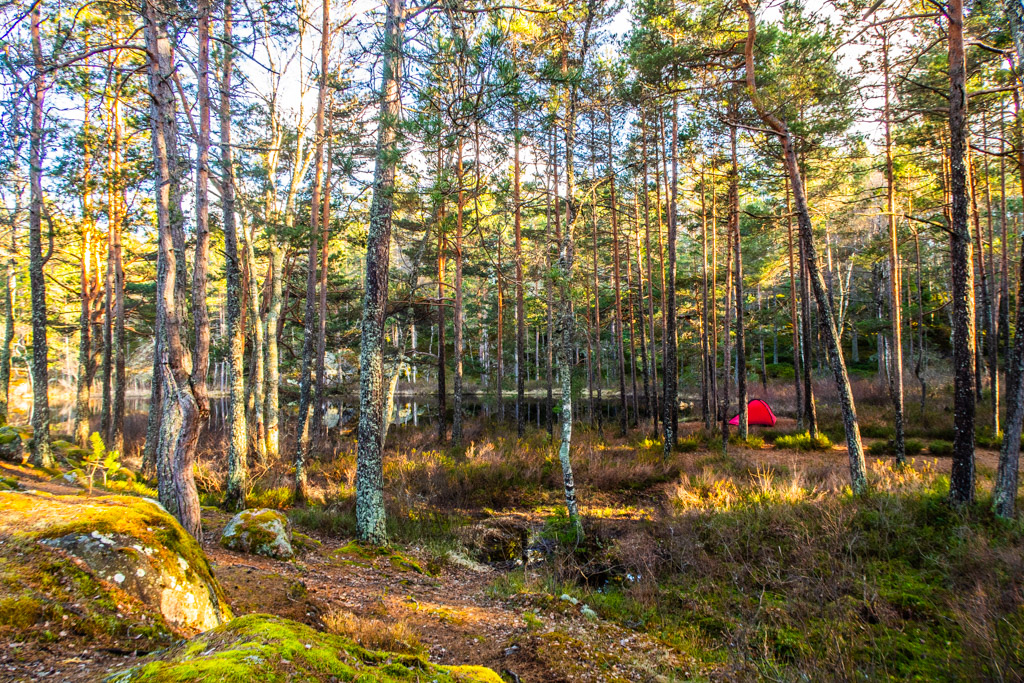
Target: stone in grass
x=259, y=532
x=11, y=447
x=261, y=647
x=117, y=566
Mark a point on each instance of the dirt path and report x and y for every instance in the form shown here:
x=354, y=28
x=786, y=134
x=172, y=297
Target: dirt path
x=455, y=615
x=527, y=637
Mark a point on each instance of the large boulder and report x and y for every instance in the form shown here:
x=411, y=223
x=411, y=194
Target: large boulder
x=106, y=561
x=260, y=647
x=259, y=532
x=11, y=447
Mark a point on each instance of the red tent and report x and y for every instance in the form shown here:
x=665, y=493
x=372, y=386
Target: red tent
x=758, y=413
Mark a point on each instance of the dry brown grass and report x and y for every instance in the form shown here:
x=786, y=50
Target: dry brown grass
x=392, y=635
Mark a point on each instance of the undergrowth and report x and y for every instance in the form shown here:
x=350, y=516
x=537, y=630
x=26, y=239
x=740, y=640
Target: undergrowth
x=770, y=573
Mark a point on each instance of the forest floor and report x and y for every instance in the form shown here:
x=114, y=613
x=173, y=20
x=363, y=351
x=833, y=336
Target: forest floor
x=747, y=564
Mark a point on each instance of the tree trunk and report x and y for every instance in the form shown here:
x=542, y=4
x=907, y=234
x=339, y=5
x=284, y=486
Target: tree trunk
x=7, y=338
x=307, y=411
x=458, y=312
x=40, y=443
x=616, y=276
x=567, y=324
x=858, y=478
x=370, y=517
x=520, y=305
x=256, y=400
x=117, y=200
x=896, y=371
x=549, y=285
x=442, y=390
x=961, y=484
x=810, y=412
x=89, y=292
x=1004, y=495
x=671, y=392
x=183, y=412
x=238, y=437
x=271, y=405
x=630, y=316
x=741, y=347
x=320, y=388
x=650, y=375
x=705, y=384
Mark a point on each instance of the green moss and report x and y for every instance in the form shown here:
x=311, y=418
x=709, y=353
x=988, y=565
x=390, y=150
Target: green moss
x=359, y=554
x=20, y=612
x=8, y=435
x=271, y=649
x=304, y=543
x=26, y=518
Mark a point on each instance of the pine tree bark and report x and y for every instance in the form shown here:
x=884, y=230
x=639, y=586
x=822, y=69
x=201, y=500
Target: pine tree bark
x=117, y=212
x=654, y=416
x=307, y=410
x=40, y=444
x=520, y=305
x=458, y=312
x=90, y=292
x=370, y=517
x=616, y=276
x=858, y=477
x=651, y=373
x=705, y=343
x=1004, y=495
x=442, y=363
x=896, y=371
x=741, y=347
x=671, y=392
x=183, y=412
x=961, y=484
x=107, y=324
x=549, y=287
x=238, y=433
x=320, y=393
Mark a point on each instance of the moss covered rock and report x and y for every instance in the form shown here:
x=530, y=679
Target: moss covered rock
x=260, y=647
x=112, y=551
x=11, y=447
x=260, y=532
